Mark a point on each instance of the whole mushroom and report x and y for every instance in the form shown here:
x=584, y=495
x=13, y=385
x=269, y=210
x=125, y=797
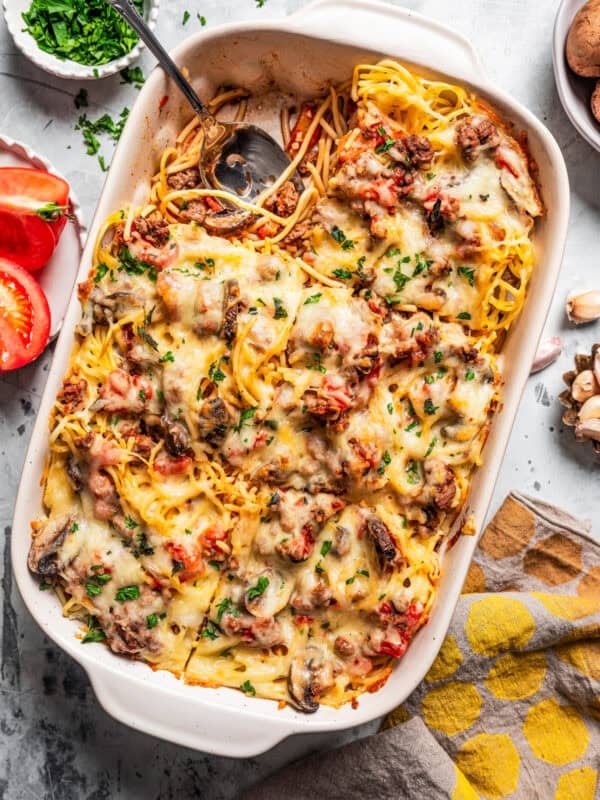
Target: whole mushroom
x=583, y=41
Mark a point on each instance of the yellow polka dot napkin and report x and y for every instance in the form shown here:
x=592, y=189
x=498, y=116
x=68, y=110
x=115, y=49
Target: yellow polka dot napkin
x=511, y=706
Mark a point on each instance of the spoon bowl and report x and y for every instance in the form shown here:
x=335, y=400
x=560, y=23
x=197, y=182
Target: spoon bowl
x=236, y=157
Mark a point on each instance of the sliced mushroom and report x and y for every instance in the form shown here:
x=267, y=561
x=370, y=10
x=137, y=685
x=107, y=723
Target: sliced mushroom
x=224, y=223
x=231, y=309
x=309, y=676
x=340, y=545
x=213, y=421
x=75, y=474
x=381, y=538
x=43, y=556
x=267, y=593
x=177, y=438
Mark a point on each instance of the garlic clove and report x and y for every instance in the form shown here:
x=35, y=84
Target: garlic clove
x=583, y=306
x=590, y=429
x=547, y=352
x=590, y=409
x=584, y=386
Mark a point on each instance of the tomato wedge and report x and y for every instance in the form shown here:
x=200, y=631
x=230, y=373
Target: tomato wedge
x=24, y=317
x=24, y=235
x=26, y=239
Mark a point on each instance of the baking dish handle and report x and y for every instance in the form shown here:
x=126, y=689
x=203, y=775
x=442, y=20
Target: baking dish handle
x=384, y=27
x=172, y=717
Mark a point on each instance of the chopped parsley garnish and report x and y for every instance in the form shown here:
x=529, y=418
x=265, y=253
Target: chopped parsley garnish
x=186, y=17
x=201, y=19
x=130, y=523
x=256, y=591
x=325, y=547
x=246, y=686
x=412, y=472
x=177, y=566
x=105, y=124
x=429, y=378
x=400, y=279
x=390, y=408
x=86, y=31
x=214, y=564
x=314, y=298
x=74, y=527
x=128, y=593
x=421, y=265
x=210, y=631
x=280, y=312
x=342, y=274
x=470, y=375
x=387, y=143
x=385, y=460
x=318, y=568
x=142, y=546
x=364, y=572
x=152, y=620
x=101, y=271
x=350, y=580
x=44, y=585
x=437, y=356
x=142, y=394
x=468, y=273
x=341, y=238
x=429, y=407
x=142, y=332
x=273, y=500
x=316, y=365
x=133, y=75
x=245, y=415
x=215, y=373
x=412, y=426
x=226, y=607
x=463, y=315
x=95, y=632
x=133, y=266
x=432, y=444
x=168, y=356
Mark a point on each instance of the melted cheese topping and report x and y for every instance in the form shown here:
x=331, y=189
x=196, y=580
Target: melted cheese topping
x=258, y=450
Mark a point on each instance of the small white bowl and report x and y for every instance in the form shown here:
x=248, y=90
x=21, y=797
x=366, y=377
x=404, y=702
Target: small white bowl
x=13, y=9
x=574, y=92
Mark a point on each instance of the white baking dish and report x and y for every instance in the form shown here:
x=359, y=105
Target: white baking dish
x=301, y=53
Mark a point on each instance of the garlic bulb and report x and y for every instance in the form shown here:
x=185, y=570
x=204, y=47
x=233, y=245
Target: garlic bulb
x=583, y=306
x=547, y=352
x=584, y=386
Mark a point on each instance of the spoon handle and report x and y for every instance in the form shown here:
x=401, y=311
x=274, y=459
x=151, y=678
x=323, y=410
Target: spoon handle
x=129, y=13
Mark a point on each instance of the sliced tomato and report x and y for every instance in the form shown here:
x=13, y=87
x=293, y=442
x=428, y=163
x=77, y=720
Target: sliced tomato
x=23, y=192
x=24, y=317
x=26, y=239
x=28, y=189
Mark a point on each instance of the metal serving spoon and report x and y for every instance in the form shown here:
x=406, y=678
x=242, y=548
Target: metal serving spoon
x=236, y=157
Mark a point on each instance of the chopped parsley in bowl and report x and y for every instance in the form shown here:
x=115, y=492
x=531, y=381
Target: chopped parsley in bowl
x=82, y=39
x=89, y=32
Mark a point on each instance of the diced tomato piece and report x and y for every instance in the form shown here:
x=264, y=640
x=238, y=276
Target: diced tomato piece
x=166, y=465
x=25, y=239
x=24, y=317
x=213, y=204
x=300, y=129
